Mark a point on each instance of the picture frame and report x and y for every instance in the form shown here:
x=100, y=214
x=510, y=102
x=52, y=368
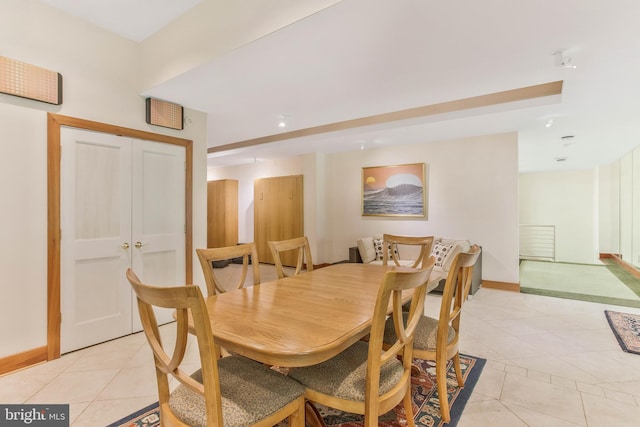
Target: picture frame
x=395, y=191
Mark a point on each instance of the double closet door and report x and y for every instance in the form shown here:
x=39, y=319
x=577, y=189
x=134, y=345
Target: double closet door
x=122, y=206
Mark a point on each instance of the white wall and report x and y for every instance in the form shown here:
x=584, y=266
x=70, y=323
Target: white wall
x=568, y=200
x=614, y=212
x=623, y=210
x=101, y=83
x=635, y=209
x=472, y=194
x=606, y=198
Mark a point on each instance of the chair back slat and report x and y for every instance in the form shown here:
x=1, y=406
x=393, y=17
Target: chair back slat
x=390, y=244
x=303, y=254
x=208, y=256
x=395, y=282
x=455, y=293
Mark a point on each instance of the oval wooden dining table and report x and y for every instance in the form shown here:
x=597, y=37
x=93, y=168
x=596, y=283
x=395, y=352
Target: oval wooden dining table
x=301, y=320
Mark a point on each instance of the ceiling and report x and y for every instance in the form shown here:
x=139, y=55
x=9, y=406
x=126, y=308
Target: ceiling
x=362, y=58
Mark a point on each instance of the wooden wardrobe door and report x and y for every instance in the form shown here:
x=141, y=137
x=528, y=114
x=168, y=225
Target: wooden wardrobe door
x=278, y=213
x=222, y=213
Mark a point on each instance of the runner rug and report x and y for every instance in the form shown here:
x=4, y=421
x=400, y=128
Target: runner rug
x=426, y=408
x=626, y=328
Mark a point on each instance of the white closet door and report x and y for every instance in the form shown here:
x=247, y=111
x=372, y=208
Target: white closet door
x=95, y=234
x=122, y=205
x=158, y=228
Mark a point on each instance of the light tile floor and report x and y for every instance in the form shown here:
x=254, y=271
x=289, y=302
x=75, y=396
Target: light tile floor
x=550, y=362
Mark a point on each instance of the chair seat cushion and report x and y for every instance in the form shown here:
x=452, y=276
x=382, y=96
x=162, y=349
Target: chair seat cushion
x=425, y=336
x=345, y=375
x=250, y=392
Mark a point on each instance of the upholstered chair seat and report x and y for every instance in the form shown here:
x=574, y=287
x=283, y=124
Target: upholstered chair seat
x=426, y=334
x=345, y=375
x=243, y=403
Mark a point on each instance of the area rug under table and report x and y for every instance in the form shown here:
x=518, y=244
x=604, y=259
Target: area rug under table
x=626, y=328
x=426, y=407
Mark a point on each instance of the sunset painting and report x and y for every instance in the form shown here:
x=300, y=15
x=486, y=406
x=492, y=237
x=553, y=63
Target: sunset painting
x=394, y=190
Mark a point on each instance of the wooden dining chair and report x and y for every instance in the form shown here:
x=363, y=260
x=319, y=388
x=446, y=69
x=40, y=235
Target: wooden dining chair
x=390, y=244
x=230, y=391
x=249, y=254
x=303, y=254
x=364, y=379
x=438, y=339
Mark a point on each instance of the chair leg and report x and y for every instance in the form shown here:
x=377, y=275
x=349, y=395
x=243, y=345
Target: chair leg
x=312, y=416
x=456, y=364
x=415, y=371
x=297, y=419
x=441, y=381
x=408, y=407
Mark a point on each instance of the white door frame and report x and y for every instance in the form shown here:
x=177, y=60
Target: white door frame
x=54, y=122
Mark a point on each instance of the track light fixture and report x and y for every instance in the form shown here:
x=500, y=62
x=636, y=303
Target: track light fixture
x=562, y=60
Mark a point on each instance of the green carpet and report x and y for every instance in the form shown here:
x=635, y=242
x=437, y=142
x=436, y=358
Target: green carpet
x=608, y=283
x=623, y=275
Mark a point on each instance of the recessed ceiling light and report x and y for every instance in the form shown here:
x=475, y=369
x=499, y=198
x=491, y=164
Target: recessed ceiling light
x=567, y=140
x=548, y=123
x=283, y=121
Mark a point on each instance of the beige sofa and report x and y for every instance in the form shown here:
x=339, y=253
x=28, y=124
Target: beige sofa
x=444, y=250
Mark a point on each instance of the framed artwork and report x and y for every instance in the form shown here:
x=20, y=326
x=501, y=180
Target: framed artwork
x=399, y=190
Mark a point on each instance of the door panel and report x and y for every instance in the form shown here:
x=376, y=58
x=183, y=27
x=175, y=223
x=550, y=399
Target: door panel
x=158, y=224
x=278, y=214
x=95, y=223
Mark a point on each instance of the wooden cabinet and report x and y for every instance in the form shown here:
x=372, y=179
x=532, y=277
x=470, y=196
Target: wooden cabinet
x=222, y=213
x=278, y=213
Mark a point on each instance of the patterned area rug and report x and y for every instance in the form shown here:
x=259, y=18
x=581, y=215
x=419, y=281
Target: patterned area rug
x=426, y=408
x=626, y=328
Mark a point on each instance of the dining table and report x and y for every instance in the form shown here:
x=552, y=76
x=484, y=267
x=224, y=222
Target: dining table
x=304, y=319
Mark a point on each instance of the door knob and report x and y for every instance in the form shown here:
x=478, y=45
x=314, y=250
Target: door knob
x=125, y=245
x=138, y=245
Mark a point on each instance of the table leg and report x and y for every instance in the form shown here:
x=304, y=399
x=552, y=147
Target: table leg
x=312, y=416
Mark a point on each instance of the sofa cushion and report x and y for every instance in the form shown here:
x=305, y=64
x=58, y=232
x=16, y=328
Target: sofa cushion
x=366, y=249
x=444, y=254
x=377, y=244
x=465, y=245
x=402, y=262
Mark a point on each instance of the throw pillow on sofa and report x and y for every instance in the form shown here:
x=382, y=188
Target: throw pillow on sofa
x=367, y=249
x=377, y=243
x=444, y=254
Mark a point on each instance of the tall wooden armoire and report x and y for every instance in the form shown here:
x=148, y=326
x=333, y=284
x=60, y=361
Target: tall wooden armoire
x=278, y=213
x=222, y=213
